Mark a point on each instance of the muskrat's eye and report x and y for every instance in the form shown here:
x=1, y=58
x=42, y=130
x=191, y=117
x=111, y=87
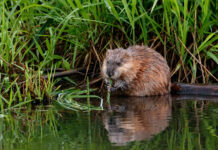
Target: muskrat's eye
x=118, y=63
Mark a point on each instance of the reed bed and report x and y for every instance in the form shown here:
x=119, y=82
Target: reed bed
x=68, y=34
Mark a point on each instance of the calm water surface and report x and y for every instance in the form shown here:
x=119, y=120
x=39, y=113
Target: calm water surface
x=166, y=122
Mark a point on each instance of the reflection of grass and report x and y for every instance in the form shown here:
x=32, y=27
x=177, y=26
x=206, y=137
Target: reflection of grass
x=46, y=129
x=190, y=130
x=23, y=128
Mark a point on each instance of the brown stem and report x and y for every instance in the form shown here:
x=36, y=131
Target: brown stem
x=65, y=73
x=199, y=62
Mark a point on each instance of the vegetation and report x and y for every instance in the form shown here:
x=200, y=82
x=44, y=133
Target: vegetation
x=40, y=34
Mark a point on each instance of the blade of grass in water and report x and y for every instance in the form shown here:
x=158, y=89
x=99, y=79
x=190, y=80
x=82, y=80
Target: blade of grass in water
x=88, y=93
x=70, y=99
x=109, y=91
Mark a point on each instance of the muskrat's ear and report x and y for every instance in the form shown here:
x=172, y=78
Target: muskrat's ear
x=127, y=54
x=109, y=51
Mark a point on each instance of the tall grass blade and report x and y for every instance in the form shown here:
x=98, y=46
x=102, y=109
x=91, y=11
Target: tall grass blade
x=112, y=9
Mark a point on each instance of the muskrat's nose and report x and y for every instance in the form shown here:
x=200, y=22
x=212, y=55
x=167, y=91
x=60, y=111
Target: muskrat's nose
x=110, y=72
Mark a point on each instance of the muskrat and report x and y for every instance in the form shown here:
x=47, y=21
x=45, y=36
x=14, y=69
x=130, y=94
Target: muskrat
x=137, y=71
x=142, y=71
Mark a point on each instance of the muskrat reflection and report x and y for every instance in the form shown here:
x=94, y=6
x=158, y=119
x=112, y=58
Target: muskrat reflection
x=136, y=118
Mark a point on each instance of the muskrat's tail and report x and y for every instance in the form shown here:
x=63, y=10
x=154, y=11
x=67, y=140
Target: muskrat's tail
x=189, y=89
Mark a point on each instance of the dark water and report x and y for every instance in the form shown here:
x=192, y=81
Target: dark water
x=152, y=123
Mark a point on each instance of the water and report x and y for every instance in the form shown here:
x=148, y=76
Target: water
x=127, y=123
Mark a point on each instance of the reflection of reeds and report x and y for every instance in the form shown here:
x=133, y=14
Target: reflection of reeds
x=49, y=36
x=45, y=128
x=22, y=128
x=190, y=130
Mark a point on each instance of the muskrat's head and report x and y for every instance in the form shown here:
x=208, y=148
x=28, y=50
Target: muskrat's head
x=116, y=64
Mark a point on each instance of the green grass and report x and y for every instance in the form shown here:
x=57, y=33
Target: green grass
x=67, y=34
x=67, y=99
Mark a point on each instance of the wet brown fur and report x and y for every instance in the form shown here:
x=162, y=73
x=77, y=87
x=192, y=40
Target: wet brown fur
x=143, y=71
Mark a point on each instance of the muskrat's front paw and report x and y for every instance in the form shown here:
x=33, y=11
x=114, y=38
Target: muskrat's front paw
x=112, y=89
x=105, y=86
x=124, y=87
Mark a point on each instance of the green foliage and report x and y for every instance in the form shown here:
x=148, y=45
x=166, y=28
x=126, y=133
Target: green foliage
x=35, y=35
x=67, y=99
